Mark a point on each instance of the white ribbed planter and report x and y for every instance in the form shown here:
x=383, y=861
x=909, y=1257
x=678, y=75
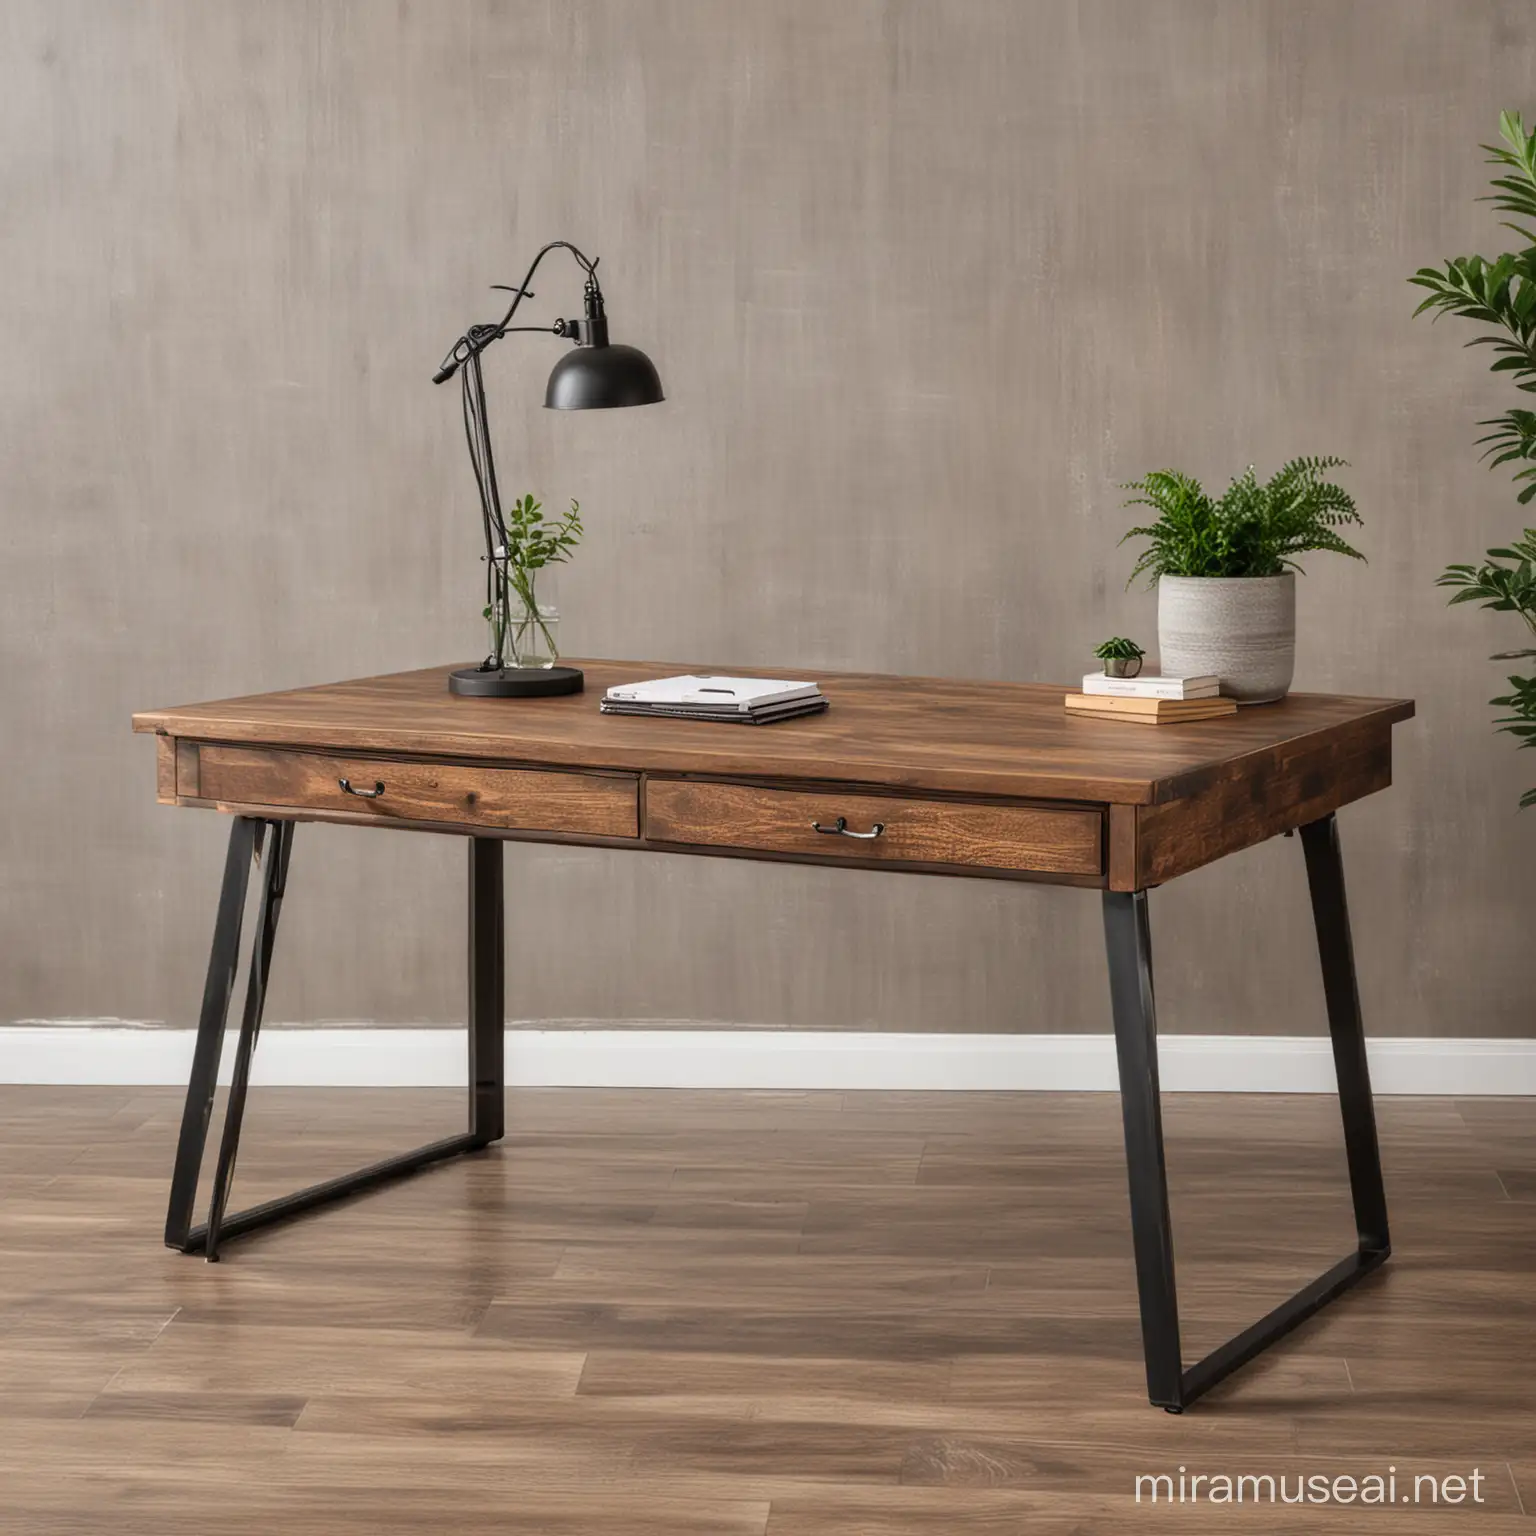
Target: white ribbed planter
x=1241, y=628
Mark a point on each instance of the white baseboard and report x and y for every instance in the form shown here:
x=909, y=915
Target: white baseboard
x=117, y=1054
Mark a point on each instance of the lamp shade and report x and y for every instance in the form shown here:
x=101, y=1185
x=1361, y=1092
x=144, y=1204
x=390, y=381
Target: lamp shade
x=600, y=378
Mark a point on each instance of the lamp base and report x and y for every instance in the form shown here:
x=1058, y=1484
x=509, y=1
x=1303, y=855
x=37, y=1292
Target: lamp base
x=515, y=682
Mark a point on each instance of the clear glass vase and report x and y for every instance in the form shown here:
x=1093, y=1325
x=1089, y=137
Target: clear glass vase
x=527, y=636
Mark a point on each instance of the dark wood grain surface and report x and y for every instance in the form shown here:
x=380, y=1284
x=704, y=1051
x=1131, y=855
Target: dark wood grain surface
x=1005, y=739
x=747, y=1314
x=1240, y=805
x=1056, y=839
x=165, y=770
x=528, y=799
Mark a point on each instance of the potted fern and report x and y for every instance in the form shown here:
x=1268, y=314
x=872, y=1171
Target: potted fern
x=1225, y=569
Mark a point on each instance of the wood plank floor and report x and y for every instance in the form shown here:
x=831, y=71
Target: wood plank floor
x=752, y=1314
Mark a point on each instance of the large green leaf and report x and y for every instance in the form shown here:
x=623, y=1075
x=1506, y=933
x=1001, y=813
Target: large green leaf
x=1501, y=294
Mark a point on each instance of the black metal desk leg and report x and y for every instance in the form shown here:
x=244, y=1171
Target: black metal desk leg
x=223, y=959
x=1128, y=942
x=486, y=1065
x=1325, y=877
x=1129, y=946
x=279, y=846
x=487, y=992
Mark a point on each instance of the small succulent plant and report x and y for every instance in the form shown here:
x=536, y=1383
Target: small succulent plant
x=1121, y=657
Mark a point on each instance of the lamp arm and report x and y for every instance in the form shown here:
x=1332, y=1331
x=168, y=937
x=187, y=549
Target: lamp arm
x=478, y=337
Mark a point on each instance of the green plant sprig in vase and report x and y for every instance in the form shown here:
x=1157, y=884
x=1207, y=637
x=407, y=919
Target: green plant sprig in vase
x=1225, y=568
x=534, y=542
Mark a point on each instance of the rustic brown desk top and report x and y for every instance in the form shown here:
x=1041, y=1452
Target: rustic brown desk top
x=909, y=733
x=1172, y=797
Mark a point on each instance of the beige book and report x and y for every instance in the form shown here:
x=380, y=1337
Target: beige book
x=1149, y=711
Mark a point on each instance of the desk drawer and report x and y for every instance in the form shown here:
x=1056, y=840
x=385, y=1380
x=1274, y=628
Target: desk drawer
x=1047, y=839
x=521, y=799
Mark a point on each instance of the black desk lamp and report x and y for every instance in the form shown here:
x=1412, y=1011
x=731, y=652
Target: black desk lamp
x=596, y=376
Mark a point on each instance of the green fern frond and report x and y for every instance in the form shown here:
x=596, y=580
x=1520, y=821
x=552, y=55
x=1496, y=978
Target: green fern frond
x=1254, y=529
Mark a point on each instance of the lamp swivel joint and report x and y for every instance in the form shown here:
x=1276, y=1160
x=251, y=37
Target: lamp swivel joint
x=592, y=329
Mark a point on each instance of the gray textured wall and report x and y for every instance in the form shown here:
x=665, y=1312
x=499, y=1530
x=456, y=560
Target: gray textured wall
x=925, y=280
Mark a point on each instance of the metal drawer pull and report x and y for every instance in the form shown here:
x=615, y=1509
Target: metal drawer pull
x=841, y=829
x=362, y=794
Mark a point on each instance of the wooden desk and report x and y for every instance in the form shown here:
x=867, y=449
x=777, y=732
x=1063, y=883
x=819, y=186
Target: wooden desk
x=912, y=775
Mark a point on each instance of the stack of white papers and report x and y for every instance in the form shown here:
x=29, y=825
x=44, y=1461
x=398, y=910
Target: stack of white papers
x=735, y=700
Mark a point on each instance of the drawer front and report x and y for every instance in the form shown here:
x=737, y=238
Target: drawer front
x=519, y=799
x=1045, y=839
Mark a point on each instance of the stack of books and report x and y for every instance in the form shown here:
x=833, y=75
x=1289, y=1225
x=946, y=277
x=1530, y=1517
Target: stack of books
x=1151, y=699
x=732, y=700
